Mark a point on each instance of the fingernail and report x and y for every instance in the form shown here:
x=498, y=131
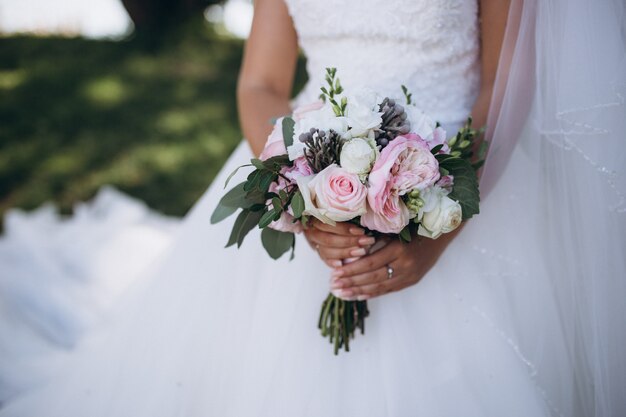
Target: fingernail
x=350, y=260
x=362, y=297
x=343, y=293
x=335, y=285
x=336, y=263
x=366, y=241
x=337, y=273
x=356, y=231
x=357, y=252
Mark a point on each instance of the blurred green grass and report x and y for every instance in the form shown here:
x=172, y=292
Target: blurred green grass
x=76, y=114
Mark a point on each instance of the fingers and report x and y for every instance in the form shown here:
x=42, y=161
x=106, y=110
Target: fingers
x=336, y=254
x=340, y=228
x=370, y=263
x=333, y=240
x=365, y=292
x=367, y=278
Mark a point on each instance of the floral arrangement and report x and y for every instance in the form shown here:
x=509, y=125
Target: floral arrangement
x=374, y=162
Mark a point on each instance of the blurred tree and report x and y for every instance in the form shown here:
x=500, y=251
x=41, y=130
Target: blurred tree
x=155, y=20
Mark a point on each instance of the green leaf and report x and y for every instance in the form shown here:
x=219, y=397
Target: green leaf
x=221, y=212
x=253, y=179
x=297, y=204
x=243, y=224
x=275, y=163
x=267, y=177
x=267, y=218
x=233, y=174
x=277, y=203
x=276, y=243
x=405, y=234
x=258, y=164
x=288, y=125
x=236, y=197
x=465, y=189
x=482, y=149
x=436, y=149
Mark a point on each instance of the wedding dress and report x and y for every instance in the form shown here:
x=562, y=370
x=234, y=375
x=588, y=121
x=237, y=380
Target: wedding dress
x=208, y=331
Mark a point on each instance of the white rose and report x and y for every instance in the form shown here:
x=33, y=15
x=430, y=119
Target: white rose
x=362, y=114
x=358, y=155
x=443, y=218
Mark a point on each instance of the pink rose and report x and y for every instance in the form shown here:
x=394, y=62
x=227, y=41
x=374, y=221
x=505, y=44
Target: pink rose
x=299, y=112
x=403, y=165
x=407, y=164
x=333, y=195
x=275, y=144
x=286, y=224
x=300, y=168
x=446, y=182
x=286, y=221
x=392, y=218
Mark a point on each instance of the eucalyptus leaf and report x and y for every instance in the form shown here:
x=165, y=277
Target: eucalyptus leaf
x=236, y=197
x=232, y=174
x=266, y=178
x=276, y=163
x=288, y=125
x=276, y=243
x=297, y=204
x=253, y=180
x=243, y=224
x=258, y=164
x=267, y=218
x=222, y=212
x=277, y=203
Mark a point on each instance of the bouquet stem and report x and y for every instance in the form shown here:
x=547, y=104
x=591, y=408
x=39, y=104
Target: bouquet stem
x=340, y=318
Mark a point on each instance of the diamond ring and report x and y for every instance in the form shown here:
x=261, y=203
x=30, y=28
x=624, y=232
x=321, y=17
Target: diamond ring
x=389, y=272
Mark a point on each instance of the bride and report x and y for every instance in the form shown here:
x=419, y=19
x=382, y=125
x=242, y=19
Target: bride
x=519, y=314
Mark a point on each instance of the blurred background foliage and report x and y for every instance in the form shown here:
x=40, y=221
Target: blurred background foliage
x=153, y=114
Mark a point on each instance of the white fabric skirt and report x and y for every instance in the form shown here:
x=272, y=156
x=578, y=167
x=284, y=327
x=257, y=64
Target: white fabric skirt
x=209, y=331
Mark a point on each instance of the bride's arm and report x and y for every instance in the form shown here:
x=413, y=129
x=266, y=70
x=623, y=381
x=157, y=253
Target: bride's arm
x=267, y=71
x=369, y=277
x=493, y=17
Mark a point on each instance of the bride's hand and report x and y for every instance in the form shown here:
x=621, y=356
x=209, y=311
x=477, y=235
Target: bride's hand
x=337, y=243
x=370, y=276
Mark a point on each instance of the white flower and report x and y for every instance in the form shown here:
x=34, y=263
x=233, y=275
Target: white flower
x=362, y=114
x=358, y=155
x=296, y=150
x=426, y=128
x=444, y=217
x=421, y=123
x=322, y=119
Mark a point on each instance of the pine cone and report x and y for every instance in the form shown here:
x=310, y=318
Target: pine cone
x=322, y=149
x=395, y=122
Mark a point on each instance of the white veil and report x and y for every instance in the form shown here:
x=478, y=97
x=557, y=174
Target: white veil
x=560, y=94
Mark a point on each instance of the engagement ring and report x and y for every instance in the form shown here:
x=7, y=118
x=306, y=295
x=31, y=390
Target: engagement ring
x=389, y=272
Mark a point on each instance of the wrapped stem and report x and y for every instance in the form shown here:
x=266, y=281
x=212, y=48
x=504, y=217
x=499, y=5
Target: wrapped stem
x=339, y=320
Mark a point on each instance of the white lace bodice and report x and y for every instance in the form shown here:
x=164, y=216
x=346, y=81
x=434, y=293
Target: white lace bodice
x=431, y=46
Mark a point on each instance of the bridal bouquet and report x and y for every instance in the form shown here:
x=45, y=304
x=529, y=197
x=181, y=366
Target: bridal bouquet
x=364, y=159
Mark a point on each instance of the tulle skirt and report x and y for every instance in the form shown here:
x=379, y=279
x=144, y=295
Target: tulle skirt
x=209, y=331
